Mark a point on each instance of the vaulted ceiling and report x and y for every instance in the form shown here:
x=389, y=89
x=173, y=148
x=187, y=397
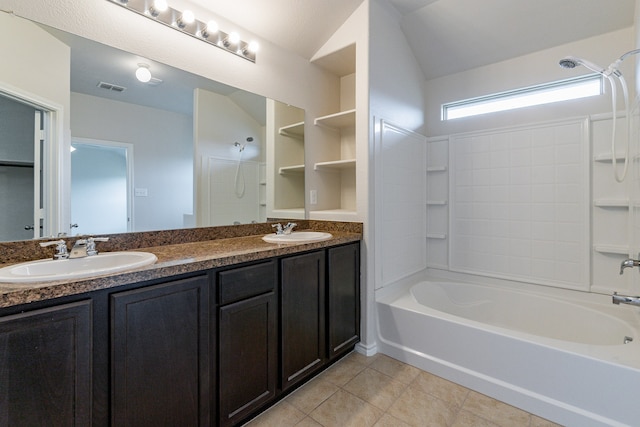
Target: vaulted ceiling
x=446, y=36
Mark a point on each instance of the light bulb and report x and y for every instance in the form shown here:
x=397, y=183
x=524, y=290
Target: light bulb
x=143, y=74
x=187, y=17
x=211, y=28
x=158, y=7
x=253, y=46
x=234, y=37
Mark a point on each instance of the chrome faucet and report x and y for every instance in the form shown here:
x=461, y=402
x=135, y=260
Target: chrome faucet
x=86, y=247
x=624, y=299
x=61, y=248
x=629, y=263
x=287, y=229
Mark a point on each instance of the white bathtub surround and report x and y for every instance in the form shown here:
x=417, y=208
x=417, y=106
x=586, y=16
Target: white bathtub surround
x=520, y=203
x=568, y=351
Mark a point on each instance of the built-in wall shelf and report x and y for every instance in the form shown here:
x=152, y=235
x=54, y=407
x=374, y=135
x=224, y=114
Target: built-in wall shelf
x=290, y=213
x=436, y=236
x=295, y=130
x=612, y=249
x=334, y=214
x=436, y=202
x=335, y=164
x=337, y=121
x=436, y=168
x=291, y=169
x=611, y=203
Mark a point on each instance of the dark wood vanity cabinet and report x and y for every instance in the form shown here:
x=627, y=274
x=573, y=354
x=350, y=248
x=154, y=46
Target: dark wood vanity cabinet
x=160, y=354
x=302, y=299
x=208, y=348
x=45, y=366
x=343, y=299
x=247, y=340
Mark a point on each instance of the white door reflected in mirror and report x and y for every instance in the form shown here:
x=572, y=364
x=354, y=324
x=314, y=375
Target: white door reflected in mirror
x=101, y=186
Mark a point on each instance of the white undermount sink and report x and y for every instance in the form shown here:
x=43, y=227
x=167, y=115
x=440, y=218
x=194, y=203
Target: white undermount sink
x=297, y=237
x=49, y=269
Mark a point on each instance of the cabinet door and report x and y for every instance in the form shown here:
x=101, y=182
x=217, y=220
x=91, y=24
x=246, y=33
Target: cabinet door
x=160, y=355
x=303, y=316
x=343, y=298
x=248, y=358
x=45, y=367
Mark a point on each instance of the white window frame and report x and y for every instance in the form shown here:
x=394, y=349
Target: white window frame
x=561, y=90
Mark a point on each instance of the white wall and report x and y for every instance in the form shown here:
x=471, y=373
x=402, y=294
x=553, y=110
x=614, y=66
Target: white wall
x=163, y=154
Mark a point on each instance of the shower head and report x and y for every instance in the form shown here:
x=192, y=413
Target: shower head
x=573, y=62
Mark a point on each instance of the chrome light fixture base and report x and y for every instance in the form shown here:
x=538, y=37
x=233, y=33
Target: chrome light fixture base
x=173, y=18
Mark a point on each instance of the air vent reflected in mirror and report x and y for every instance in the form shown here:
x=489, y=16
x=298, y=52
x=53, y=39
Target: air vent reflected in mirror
x=112, y=87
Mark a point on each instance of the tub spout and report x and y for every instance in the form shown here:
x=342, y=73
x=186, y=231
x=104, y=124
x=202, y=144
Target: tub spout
x=624, y=299
x=629, y=263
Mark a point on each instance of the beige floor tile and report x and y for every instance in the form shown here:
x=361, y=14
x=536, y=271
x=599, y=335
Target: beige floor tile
x=467, y=419
x=376, y=388
x=281, y=415
x=342, y=372
x=388, y=421
x=422, y=410
x=311, y=395
x=343, y=409
x=361, y=358
x=441, y=388
x=308, y=422
x=541, y=422
x=495, y=411
x=395, y=369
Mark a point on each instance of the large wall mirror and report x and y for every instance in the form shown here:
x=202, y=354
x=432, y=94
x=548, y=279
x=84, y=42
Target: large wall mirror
x=176, y=151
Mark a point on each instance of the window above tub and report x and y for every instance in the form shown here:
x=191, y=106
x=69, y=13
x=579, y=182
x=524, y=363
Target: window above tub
x=561, y=90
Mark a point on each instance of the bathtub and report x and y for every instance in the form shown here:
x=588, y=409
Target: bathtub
x=571, y=357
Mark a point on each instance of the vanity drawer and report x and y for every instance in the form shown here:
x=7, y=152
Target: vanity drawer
x=244, y=282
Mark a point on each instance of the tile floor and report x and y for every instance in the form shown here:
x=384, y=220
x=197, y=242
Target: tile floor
x=379, y=391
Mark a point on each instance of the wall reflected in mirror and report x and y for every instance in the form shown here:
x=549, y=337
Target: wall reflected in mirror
x=196, y=150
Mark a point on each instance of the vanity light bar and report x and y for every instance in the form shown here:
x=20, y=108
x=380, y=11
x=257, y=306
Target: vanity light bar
x=186, y=23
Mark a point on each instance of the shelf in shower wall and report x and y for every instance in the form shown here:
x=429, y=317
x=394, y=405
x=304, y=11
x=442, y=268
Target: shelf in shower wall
x=436, y=202
x=612, y=249
x=606, y=157
x=611, y=203
x=436, y=236
x=436, y=168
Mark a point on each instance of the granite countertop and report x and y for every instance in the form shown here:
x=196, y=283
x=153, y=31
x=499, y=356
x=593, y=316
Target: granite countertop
x=173, y=259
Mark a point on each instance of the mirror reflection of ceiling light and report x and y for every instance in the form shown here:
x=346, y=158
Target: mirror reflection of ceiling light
x=186, y=22
x=143, y=73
